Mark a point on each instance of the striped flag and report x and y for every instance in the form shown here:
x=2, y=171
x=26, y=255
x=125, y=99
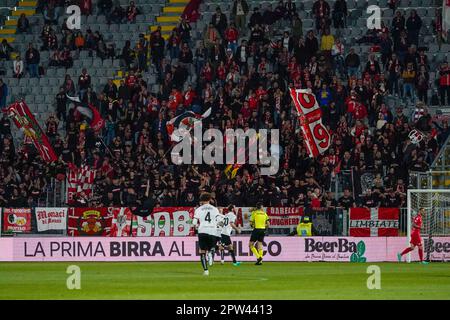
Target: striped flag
x=374, y=222
x=79, y=180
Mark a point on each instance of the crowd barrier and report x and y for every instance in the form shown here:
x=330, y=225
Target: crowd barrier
x=336, y=249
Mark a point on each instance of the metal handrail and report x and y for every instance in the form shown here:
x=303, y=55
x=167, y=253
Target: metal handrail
x=440, y=154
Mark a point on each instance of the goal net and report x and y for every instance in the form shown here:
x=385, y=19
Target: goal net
x=436, y=220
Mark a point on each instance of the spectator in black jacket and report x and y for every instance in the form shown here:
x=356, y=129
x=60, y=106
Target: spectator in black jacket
x=398, y=25
x=157, y=48
x=352, y=63
x=269, y=16
x=32, y=58
x=321, y=10
x=291, y=9
x=219, y=21
x=340, y=14
x=311, y=44
x=61, y=104
x=84, y=82
x=5, y=50
x=256, y=18
x=413, y=25
x=23, y=25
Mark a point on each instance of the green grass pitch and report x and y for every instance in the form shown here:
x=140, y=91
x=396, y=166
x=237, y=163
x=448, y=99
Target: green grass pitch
x=179, y=280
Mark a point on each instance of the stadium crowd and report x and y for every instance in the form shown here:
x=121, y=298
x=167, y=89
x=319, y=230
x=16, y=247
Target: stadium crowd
x=242, y=70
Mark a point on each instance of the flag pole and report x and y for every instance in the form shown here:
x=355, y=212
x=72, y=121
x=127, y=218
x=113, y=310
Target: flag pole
x=107, y=148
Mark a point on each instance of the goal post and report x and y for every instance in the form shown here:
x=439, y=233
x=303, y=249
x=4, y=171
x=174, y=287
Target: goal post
x=436, y=220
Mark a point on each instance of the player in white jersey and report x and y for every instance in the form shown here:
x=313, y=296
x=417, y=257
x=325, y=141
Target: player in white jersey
x=206, y=219
x=225, y=242
x=217, y=247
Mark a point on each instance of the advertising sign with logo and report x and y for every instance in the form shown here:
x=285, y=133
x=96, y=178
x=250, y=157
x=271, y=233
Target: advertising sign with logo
x=51, y=218
x=16, y=220
x=337, y=249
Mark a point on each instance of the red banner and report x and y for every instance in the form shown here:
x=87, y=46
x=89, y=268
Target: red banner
x=89, y=221
x=284, y=217
x=316, y=135
x=16, y=220
x=374, y=222
x=25, y=120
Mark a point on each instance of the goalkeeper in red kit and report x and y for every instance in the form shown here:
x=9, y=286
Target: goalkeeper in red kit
x=416, y=240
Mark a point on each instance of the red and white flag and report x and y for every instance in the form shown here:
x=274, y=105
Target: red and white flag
x=316, y=135
x=374, y=222
x=79, y=180
x=25, y=121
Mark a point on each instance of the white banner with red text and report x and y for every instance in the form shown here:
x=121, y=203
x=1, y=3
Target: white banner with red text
x=51, y=219
x=336, y=249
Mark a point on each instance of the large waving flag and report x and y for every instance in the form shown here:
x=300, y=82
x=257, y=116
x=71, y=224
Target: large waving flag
x=184, y=123
x=25, y=121
x=96, y=122
x=316, y=135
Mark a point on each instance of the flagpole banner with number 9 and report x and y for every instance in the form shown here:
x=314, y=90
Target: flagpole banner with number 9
x=316, y=135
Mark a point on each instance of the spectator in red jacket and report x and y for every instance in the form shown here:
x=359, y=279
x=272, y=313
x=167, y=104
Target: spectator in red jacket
x=231, y=35
x=356, y=108
x=189, y=96
x=175, y=99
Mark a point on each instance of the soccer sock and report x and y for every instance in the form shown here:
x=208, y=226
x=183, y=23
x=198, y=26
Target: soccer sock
x=260, y=251
x=222, y=255
x=255, y=252
x=409, y=249
x=203, y=261
x=233, y=256
x=421, y=253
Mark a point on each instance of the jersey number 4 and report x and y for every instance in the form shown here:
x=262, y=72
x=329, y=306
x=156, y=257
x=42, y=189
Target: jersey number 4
x=208, y=217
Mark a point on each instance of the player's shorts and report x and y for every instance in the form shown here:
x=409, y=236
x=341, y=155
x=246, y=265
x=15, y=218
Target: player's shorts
x=225, y=240
x=415, y=239
x=258, y=235
x=206, y=241
x=217, y=241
